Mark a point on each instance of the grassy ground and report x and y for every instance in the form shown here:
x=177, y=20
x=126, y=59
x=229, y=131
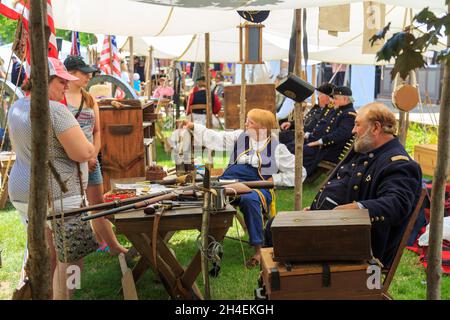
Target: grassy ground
x=102, y=275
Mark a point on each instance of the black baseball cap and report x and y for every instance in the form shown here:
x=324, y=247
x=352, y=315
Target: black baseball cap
x=77, y=63
x=326, y=88
x=201, y=78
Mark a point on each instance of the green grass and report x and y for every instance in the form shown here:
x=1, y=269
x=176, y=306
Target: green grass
x=102, y=276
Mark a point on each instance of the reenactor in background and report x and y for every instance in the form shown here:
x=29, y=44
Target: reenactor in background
x=312, y=118
x=378, y=175
x=331, y=133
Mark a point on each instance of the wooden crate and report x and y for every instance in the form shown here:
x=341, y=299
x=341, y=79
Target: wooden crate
x=426, y=156
x=307, y=281
x=257, y=96
x=328, y=235
x=122, y=143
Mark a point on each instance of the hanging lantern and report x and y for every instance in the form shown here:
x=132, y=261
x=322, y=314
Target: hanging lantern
x=250, y=43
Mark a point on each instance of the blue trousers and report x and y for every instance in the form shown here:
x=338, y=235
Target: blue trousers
x=251, y=206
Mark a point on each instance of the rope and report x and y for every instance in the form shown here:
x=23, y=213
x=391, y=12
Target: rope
x=187, y=48
x=166, y=23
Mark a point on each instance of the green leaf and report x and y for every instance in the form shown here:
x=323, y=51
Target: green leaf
x=425, y=16
x=406, y=61
x=392, y=48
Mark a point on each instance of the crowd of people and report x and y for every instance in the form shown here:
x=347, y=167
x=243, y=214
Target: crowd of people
x=377, y=173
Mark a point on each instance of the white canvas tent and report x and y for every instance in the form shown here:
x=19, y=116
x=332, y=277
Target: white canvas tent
x=130, y=17
x=345, y=48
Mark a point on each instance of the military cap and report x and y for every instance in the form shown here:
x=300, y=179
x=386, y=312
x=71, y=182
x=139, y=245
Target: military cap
x=342, y=91
x=326, y=88
x=201, y=78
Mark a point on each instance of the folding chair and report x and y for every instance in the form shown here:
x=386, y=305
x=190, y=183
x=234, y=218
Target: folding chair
x=390, y=272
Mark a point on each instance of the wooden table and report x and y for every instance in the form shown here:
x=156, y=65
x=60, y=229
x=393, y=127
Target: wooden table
x=178, y=281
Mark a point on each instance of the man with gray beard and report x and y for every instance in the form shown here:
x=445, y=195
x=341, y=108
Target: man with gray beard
x=379, y=175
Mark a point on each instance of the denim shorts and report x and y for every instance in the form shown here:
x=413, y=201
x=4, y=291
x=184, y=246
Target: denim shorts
x=95, y=177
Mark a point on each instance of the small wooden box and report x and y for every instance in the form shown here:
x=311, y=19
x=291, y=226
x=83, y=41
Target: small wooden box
x=328, y=235
x=310, y=281
x=426, y=156
x=260, y=96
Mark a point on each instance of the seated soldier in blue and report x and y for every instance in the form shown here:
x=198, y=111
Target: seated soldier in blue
x=379, y=175
x=318, y=112
x=328, y=139
x=256, y=155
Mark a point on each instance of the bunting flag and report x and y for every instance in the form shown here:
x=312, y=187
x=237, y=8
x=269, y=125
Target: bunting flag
x=14, y=9
x=75, y=49
x=110, y=61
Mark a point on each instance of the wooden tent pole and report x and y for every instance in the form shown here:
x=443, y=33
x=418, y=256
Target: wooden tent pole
x=131, y=66
x=39, y=257
x=434, y=272
x=208, y=84
x=206, y=183
x=243, y=101
x=298, y=114
x=314, y=83
x=148, y=74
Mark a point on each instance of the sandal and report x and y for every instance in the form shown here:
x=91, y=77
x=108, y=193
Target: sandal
x=103, y=247
x=252, y=262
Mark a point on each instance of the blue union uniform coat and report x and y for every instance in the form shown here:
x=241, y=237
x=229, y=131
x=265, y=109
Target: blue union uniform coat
x=387, y=182
x=335, y=130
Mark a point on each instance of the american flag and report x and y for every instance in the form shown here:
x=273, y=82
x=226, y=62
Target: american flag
x=75, y=49
x=109, y=59
x=14, y=9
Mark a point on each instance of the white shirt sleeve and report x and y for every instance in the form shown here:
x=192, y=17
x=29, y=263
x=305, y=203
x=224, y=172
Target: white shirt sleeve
x=214, y=139
x=286, y=108
x=286, y=166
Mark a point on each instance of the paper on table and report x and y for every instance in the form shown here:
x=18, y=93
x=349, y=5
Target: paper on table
x=141, y=188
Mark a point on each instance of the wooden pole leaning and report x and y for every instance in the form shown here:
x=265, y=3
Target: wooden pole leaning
x=298, y=114
x=39, y=256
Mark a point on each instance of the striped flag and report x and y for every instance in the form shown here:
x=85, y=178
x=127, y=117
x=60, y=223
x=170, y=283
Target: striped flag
x=75, y=49
x=110, y=61
x=109, y=57
x=14, y=9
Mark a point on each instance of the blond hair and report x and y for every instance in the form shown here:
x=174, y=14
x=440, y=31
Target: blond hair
x=264, y=118
x=379, y=112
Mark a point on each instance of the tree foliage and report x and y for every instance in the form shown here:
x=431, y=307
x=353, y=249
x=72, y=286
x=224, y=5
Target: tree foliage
x=407, y=49
x=7, y=30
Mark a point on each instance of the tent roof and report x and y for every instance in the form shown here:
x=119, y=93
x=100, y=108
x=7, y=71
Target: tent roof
x=131, y=17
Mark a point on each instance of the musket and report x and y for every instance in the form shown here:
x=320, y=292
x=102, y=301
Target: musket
x=145, y=200
x=120, y=203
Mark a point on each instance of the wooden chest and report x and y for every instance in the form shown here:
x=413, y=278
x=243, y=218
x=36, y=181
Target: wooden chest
x=260, y=96
x=357, y=280
x=122, y=143
x=426, y=156
x=329, y=235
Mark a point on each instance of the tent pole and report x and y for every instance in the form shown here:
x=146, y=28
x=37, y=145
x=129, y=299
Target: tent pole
x=131, y=66
x=39, y=257
x=243, y=101
x=314, y=83
x=298, y=114
x=148, y=74
x=206, y=184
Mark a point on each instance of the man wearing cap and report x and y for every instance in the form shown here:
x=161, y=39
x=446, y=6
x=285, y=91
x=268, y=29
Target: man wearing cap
x=378, y=175
x=312, y=118
x=330, y=135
